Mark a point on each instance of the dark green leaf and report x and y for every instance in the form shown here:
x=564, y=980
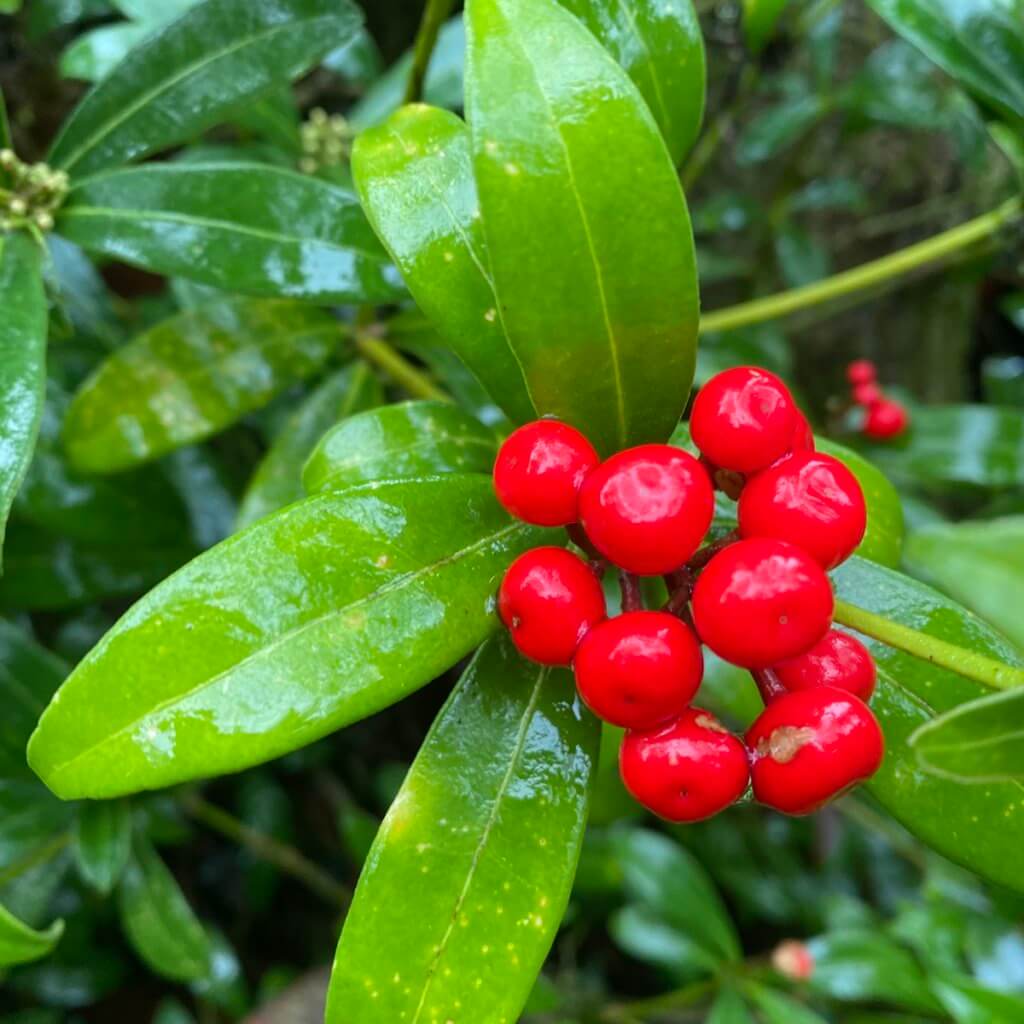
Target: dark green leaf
x=1002, y=377
x=645, y=934
x=759, y=19
x=410, y=439
x=779, y=127
x=358, y=62
x=5, y=127
x=203, y=484
x=29, y=820
x=239, y=226
x=194, y=71
x=778, y=1008
x=192, y=375
x=97, y=52
x=967, y=1002
x=103, y=843
x=802, y=258
x=20, y=944
x=487, y=833
x=729, y=1008
x=364, y=596
x=601, y=305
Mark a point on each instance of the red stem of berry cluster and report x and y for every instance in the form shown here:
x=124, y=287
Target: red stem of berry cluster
x=629, y=585
x=680, y=583
x=768, y=684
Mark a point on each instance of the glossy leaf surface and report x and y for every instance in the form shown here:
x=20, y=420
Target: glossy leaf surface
x=20, y=944
x=187, y=76
x=239, y=226
x=415, y=176
x=103, y=843
x=601, y=309
x=311, y=619
x=409, y=439
x=192, y=375
x=486, y=830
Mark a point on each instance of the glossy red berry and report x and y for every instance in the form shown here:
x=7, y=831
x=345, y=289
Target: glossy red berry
x=838, y=660
x=867, y=395
x=808, y=747
x=861, y=371
x=639, y=669
x=886, y=419
x=539, y=470
x=744, y=419
x=810, y=499
x=761, y=601
x=803, y=435
x=685, y=771
x=647, y=509
x=549, y=598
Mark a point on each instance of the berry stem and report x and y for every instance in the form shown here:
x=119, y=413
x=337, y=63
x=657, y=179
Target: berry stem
x=680, y=590
x=632, y=599
x=768, y=684
x=434, y=14
x=968, y=664
x=582, y=541
x=709, y=551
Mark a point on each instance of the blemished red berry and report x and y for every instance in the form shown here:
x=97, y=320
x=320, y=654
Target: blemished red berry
x=762, y=601
x=838, y=660
x=803, y=435
x=808, y=747
x=548, y=599
x=743, y=419
x=861, y=371
x=539, y=470
x=886, y=419
x=810, y=499
x=648, y=508
x=639, y=669
x=867, y=394
x=685, y=771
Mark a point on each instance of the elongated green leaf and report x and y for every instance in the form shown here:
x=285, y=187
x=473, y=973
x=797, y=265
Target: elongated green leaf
x=192, y=72
x=759, y=18
x=978, y=826
x=729, y=1008
x=415, y=176
x=239, y=226
x=30, y=818
x=661, y=46
x=103, y=843
x=20, y=944
x=95, y=53
x=487, y=833
x=779, y=127
x=278, y=478
x=643, y=933
x=22, y=362
x=406, y=440
x=778, y=1008
x=596, y=277
x=192, y=375
x=362, y=597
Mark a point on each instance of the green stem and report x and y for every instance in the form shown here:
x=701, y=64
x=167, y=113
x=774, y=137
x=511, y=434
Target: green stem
x=434, y=14
x=968, y=664
x=689, y=995
x=868, y=276
x=40, y=855
x=398, y=368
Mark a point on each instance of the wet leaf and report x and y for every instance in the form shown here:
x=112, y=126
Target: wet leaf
x=103, y=843
x=20, y=944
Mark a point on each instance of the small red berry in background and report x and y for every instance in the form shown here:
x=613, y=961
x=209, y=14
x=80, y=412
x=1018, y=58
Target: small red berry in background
x=548, y=599
x=762, y=601
x=539, y=470
x=647, y=509
x=838, y=660
x=809, y=746
x=861, y=371
x=639, y=669
x=867, y=394
x=809, y=499
x=686, y=771
x=886, y=419
x=744, y=419
x=792, y=959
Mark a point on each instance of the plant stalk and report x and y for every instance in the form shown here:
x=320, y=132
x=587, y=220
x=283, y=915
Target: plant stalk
x=398, y=368
x=434, y=14
x=40, y=855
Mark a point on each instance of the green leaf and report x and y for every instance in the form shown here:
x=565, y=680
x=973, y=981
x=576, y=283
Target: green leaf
x=643, y=933
x=596, y=278
x=238, y=226
x=729, y=1008
x=103, y=843
x=22, y=362
x=409, y=439
x=96, y=53
x=194, y=71
x=5, y=125
x=364, y=596
x=278, y=478
x=759, y=20
x=30, y=821
x=415, y=176
x=487, y=834
x=968, y=1002
x=779, y=127
x=20, y=944
x=778, y=1008
x=161, y=926
x=191, y=376
x=661, y=47
x=978, y=826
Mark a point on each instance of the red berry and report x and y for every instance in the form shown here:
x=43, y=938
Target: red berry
x=861, y=371
x=867, y=395
x=647, y=509
x=810, y=499
x=838, y=660
x=539, y=470
x=549, y=598
x=761, y=601
x=685, y=771
x=639, y=669
x=886, y=419
x=803, y=435
x=743, y=419
x=810, y=746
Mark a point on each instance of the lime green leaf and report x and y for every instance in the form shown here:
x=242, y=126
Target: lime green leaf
x=415, y=176
x=405, y=440
x=192, y=375
x=103, y=843
x=191, y=73
x=278, y=478
x=969, y=1002
x=22, y=362
x=20, y=944
x=238, y=226
x=595, y=275
x=487, y=834
x=729, y=1008
x=94, y=54
x=364, y=596
x=778, y=1008
x=759, y=20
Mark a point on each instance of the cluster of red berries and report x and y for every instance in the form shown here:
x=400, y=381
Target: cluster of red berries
x=884, y=418
x=758, y=597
